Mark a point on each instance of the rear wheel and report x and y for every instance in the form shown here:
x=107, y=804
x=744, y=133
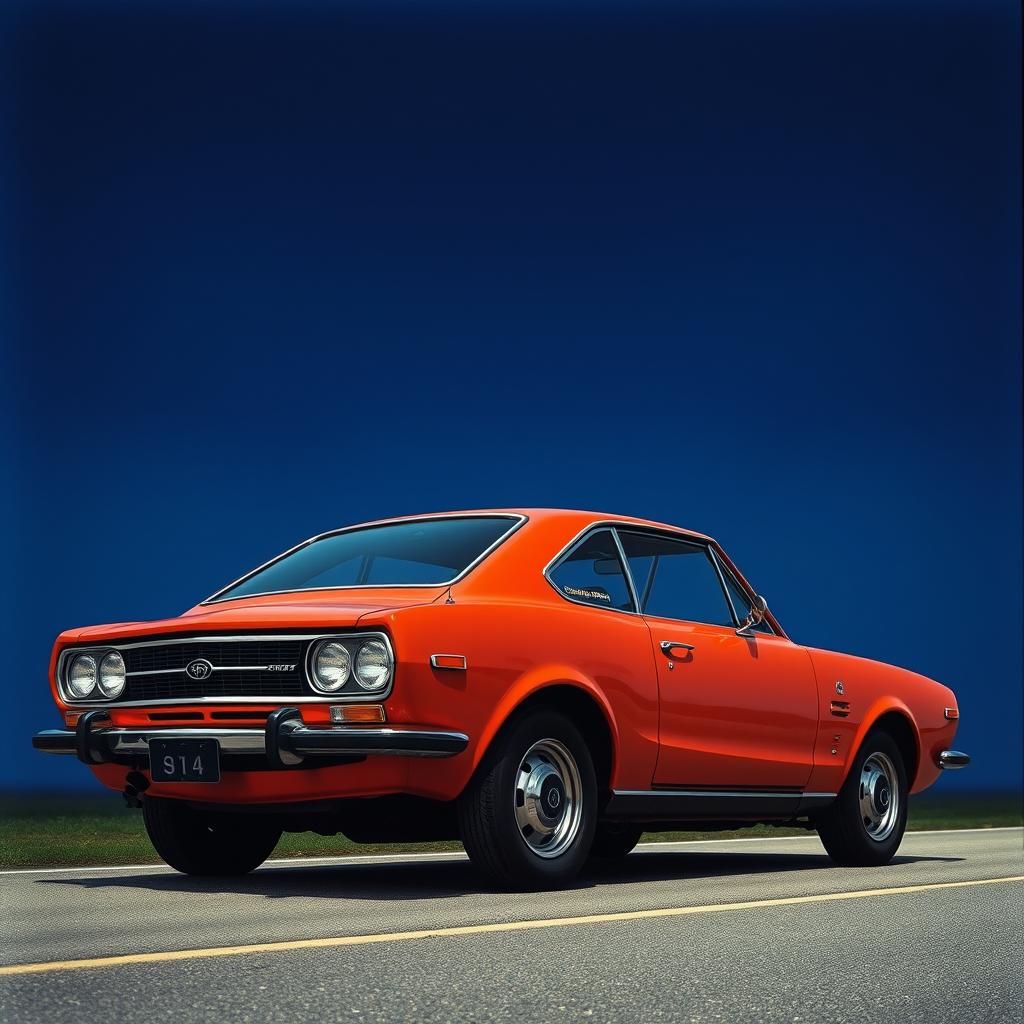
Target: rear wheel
x=207, y=843
x=527, y=818
x=614, y=841
x=866, y=822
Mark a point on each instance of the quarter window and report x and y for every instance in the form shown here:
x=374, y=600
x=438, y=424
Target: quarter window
x=675, y=579
x=592, y=573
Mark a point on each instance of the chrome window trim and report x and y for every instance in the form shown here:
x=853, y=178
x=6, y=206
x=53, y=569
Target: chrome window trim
x=337, y=698
x=568, y=550
x=725, y=590
x=723, y=572
x=518, y=519
x=618, y=526
x=709, y=550
x=627, y=572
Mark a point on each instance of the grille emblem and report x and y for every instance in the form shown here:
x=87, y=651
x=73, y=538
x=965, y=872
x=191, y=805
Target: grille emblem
x=198, y=669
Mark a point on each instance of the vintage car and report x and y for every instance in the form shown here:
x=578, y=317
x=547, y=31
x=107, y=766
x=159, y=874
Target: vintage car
x=544, y=685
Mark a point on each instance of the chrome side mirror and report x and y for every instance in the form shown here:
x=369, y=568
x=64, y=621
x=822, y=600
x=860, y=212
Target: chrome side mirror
x=757, y=613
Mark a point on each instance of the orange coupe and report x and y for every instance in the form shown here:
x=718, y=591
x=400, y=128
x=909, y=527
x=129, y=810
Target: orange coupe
x=544, y=685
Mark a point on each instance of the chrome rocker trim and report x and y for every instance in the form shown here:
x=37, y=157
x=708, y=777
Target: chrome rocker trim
x=702, y=804
x=283, y=742
x=952, y=759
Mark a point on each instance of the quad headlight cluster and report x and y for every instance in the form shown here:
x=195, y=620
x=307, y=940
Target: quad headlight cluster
x=340, y=665
x=335, y=666
x=97, y=675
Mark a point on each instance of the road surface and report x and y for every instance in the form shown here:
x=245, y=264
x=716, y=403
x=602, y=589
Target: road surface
x=752, y=930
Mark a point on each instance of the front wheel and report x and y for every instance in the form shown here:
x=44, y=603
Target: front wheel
x=527, y=818
x=864, y=826
x=207, y=843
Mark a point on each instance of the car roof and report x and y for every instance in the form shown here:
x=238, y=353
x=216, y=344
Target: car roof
x=578, y=517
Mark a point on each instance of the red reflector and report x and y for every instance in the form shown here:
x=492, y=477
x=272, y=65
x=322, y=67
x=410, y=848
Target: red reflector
x=952, y=713
x=455, y=661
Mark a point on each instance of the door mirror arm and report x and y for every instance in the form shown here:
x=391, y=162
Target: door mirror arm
x=758, y=610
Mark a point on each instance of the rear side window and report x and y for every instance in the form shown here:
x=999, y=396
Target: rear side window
x=675, y=579
x=592, y=573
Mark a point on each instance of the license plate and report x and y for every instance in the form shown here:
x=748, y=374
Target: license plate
x=184, y=760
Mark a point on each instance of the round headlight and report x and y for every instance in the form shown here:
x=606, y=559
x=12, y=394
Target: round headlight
x=331, y=667
x=112, y=674
x=373, y=665
x=82, y=676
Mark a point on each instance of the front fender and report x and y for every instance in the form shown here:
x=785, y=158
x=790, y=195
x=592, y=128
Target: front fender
x=534, y=681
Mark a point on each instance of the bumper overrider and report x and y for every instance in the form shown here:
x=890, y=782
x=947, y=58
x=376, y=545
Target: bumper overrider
x=284, y=742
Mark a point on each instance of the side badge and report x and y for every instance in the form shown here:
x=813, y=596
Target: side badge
x=839, y=686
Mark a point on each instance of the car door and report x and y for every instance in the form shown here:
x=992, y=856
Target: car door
x=736, y=712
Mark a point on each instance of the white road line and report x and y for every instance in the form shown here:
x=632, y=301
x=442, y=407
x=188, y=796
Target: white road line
x=384, y=858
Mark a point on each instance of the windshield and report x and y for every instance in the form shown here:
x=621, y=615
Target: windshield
x=427, y=552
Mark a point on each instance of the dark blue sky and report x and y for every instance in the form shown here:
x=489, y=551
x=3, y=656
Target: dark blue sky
x=749, y=268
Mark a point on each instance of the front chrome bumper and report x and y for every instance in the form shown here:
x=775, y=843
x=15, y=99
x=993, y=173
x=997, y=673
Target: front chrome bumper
x=283, y=742
x=952, y=759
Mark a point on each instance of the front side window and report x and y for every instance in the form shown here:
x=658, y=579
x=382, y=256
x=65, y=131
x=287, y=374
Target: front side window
x=741, y=602
x=429, y=552
x=592, y=573
x=675, y=579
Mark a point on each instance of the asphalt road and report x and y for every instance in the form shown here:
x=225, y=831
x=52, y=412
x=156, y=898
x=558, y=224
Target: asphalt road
x=758, y=930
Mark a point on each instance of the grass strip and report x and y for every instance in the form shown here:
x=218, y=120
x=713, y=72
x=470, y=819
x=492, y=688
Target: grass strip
x=45, y=831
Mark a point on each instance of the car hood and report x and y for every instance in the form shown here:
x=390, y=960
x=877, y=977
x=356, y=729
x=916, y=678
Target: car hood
x=311, y=609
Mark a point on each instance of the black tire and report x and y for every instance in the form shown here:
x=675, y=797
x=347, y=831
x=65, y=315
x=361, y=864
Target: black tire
x=843, y=828
x=613, y=841
x=495, y=802
x=207, y=843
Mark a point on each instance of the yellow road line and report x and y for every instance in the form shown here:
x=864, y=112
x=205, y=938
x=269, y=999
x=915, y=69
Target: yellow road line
x=480, y=929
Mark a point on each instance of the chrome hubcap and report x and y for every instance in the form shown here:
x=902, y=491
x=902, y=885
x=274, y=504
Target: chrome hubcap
x=548, y=798
x=879, y=797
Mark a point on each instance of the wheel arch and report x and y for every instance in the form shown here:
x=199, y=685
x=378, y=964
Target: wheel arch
x=893, y=717
x=579, y=700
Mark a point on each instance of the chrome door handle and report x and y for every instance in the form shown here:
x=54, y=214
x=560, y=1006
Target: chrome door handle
x=667, y=645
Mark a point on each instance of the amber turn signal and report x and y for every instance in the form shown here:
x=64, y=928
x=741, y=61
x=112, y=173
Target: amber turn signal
x=952, y=713
x=357, y=713
x=454, y=661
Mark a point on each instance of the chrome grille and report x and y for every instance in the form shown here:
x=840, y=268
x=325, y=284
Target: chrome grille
x=239, y=669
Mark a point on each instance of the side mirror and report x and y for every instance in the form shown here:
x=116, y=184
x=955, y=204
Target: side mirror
x=757, y=613
x=607, y=567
